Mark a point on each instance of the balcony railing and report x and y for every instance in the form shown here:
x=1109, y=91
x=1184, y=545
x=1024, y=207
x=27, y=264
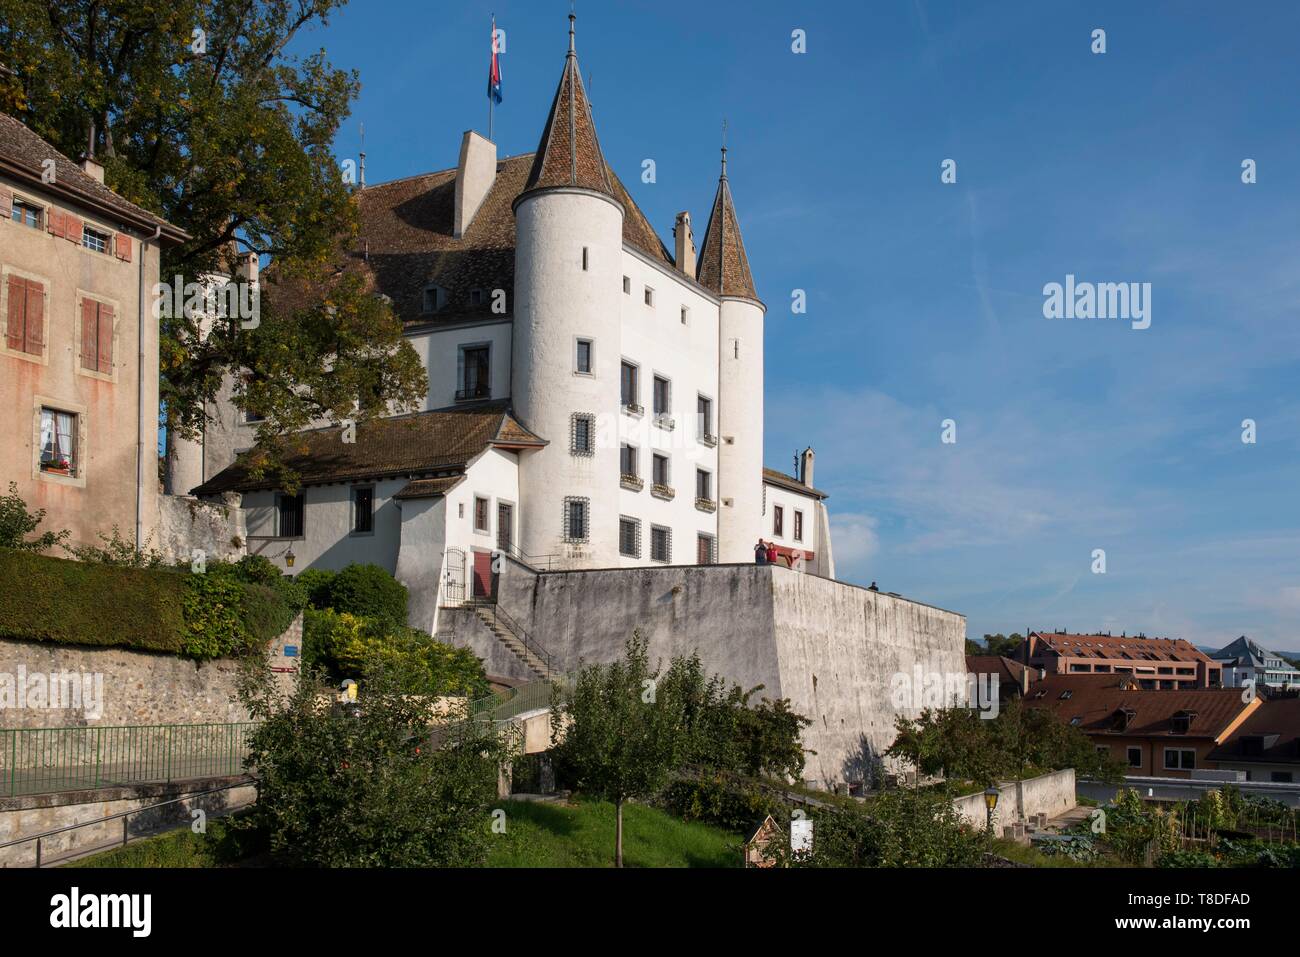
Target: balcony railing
x=633, y=408
x=664, y=421
x=474, y=392
x=706, y=505
x=666, y=492
x=633, y=483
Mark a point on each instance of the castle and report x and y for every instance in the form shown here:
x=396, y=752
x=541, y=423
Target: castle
x=595, y=400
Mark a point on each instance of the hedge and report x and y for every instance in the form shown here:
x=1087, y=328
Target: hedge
x=160, y=609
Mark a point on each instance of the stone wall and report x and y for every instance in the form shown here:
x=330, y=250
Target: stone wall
x=216, y=528
x=1051, y=794
x=832, y=648
x=138, y=687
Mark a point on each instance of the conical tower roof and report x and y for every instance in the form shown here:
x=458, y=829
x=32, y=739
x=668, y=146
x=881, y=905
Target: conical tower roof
x=569, y=153
x=723, y=266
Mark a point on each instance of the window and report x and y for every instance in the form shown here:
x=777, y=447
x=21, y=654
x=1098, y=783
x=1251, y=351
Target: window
x=505, y=526
x=481, y=514
x=584, y=258
x=703, y=485
x=433, y=299
x=252, y=418
x=629, y=536
x=1180, y=759
x=706, y=549
x=582, y=359
x=704, y=419
x=25, y=325
x=582, y=427
x=290, y=515
x=798, y=525
x=661, y=544
x=627, y=286
x=630, y=386
x=686, y=314
x=474, y=372
x=28, y=214
x=363, y=509
x=778, y=519
x=575, y=518
x=663, y=396
x=1135, y=757
x=476, y=297
x=627, y=460
x=94, y=239
x=96, y=336
x=58, y=442
x=661, y=474
x=649, y=296
x=1280, y=777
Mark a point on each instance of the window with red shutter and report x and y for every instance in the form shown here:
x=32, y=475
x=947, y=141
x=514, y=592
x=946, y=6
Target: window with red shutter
x=105, y=338
x=15, y=327
x=35, y=318
x=124, y=247
x=89, y=334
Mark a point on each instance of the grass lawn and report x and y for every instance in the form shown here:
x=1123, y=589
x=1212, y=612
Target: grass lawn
x=581, y=834
x=180, y=848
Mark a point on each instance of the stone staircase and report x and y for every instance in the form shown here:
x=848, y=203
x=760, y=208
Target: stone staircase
x=511, y=641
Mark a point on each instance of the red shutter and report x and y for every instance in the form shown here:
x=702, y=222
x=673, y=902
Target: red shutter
x=35, y=318
x=53, y=221
x=123, y=247
x=15, y=333
x=105, y=338
x=89, y=335
x=71, y=228
x=6, y=202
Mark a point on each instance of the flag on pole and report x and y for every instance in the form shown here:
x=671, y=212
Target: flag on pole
x=494, y=72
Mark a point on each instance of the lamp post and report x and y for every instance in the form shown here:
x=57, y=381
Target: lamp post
x=991, y=795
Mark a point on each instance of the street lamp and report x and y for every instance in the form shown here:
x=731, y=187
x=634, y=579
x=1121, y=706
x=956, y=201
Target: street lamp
x=991, y=795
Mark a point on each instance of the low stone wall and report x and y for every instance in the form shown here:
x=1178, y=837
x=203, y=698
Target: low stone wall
x=25, y=816
x=217, y=529
x=830, y=647
x=1051, y=794
x=120, y=686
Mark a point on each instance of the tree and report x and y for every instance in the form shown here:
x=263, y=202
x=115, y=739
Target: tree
x=16, y=523
x=201, y=116
x=620, y=731
x=1008, y=646
x=388, y=784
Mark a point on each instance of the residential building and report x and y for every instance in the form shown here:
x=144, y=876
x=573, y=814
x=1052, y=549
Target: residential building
x=1156, y=663
x=78, y=342
x=1154, y=733
x=1245, y=661
x=1267, y=744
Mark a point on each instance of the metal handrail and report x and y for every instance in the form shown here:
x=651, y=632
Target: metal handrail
x=500, y=615
x=533, y=561
x=124, y=816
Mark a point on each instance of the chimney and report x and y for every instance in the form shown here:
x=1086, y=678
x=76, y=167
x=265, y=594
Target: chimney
x=89, y=165
x=475, y=174
x=1024, y=681
x=806, y=467
x=685, y=252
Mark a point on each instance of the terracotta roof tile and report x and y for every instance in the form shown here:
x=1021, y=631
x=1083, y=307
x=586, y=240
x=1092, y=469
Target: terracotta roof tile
x=790, y=483
x=1269, y=736
x=430, y=488
x=1095, y=700
x=25, y=154
x=724, y=267
x=425, y=442
x=569, y=152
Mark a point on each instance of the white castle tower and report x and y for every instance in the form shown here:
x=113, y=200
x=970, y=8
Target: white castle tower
x=568, y=263
x=724, y=269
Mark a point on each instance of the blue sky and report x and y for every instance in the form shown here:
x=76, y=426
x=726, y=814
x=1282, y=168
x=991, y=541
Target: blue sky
x=925, y=300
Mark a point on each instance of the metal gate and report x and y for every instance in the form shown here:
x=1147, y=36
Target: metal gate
x=454, y=576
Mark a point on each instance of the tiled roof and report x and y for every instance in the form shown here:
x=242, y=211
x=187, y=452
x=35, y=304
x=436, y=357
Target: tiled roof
x=569, y=152
x=23, y=154
x=790, y=483
x=423, y=444
x=1005, y=668
x=1116, y=646
x=430, y=488
x=1269, y=736
x=1244, y=651
x=724, y=267
x=1095, y=700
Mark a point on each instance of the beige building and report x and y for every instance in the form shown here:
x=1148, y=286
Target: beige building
x=78, y=341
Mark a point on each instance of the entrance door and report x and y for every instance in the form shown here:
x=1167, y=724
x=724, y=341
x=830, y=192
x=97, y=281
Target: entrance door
x=454, y=586
x=505, y=526
x=482, y=574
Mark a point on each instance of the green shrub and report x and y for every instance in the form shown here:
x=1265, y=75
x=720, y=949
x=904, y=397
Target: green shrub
x=717, y=802
x=16, y=523
x=316, y=584
x=75, y=603
x=369, y=591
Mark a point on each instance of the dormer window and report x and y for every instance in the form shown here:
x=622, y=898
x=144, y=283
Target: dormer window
x=435, y=297
x=1182, y=722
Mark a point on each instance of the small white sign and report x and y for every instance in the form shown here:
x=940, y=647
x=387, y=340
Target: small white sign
x=801, y=835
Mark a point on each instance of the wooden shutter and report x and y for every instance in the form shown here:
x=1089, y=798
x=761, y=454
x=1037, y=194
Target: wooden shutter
x=15, y=333
x=89, y=335
x=123, y=248
x=6, y=202
x=71, y=228
x=105, y=338
x=53, y=221
x=35, y=317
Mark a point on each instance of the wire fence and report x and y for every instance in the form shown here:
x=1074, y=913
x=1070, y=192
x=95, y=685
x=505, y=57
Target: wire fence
x=44, y=760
